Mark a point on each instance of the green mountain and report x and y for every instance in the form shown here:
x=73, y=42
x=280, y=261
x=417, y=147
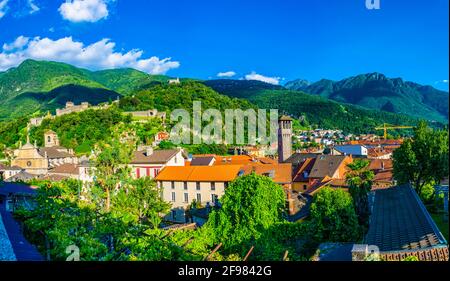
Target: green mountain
x=318, y=110
x=36, y=86
x=40, y=102
x=376, y=91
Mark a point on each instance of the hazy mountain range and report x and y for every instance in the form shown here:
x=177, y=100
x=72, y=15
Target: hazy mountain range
x=376, y=91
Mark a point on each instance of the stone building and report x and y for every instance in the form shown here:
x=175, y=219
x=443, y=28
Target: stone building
x=71, y=107
x=284, y=138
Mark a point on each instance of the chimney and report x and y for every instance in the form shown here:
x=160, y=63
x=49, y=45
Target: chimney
x=149, y=151
x=290, y=203
x=382, y=165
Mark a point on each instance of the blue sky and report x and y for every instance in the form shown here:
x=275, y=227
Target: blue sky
x=277, y=40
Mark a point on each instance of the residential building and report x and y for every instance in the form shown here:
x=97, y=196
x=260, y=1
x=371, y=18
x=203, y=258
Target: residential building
x=9, y=172
x=315, y=173
x=205, y=184
x=383, y=173
x=147, y=162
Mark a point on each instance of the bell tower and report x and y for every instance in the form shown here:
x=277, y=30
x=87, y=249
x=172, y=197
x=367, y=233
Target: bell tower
x=51, y=139
x=284, y=138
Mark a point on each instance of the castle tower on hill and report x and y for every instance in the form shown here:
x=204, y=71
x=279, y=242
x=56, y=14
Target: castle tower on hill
x=284, y=138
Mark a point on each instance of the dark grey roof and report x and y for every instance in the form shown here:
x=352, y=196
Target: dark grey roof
x=202, y=161
x=13, y=168
x=335, y=252
x=21, y=176
x=326, y=165
x=297, y=158
x=400, y=222
x=54, y=152
x=157, y=157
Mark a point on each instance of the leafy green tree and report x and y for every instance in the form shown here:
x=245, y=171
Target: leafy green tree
x=140, y=200
x=359, y=179
x=333, y=216
x=423, y=159
x=251, y=204
x=111, y=167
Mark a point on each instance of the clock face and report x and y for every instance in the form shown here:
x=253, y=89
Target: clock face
x=29, y=163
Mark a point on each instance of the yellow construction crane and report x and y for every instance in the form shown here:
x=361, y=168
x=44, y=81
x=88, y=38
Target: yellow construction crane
x=386, y=127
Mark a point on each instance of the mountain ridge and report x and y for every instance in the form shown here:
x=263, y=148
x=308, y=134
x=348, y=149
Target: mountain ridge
x=376, y=91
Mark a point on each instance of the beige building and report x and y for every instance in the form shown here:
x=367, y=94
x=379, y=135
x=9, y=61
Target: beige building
x=38, y=161
x=204, y=184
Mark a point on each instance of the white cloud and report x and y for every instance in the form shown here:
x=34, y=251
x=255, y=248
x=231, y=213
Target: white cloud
x=84, y=10
x=3, y=7
x=99, y=55
x=18, y=44
x=34, y=8
x=226, y=74
x=259, y=77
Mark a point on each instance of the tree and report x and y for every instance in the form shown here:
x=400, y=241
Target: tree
x=359, y=180
x=140, y=200
x=423, y=159
x=251, y=204
x=333, y=216
x=111, y=167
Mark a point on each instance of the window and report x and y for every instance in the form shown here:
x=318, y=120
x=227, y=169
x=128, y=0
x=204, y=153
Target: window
x=213, y=186
x=185, y=185
x=225, y=184
x=198, y=185
x=174, y=215
x=186, y=198
x=173, y=184
x=173, y=196
x=213, y=198
x=199, y=198
x=176, y=159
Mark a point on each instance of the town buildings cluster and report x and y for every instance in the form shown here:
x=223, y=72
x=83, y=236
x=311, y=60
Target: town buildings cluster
x=185, y=179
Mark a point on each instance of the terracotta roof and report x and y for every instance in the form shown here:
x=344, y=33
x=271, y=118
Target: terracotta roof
x=386, y=176
x=53, y=152
x=380, y=164
x=377, y=151
x=326, y=165
x=234, y=160
x=400, y=222
x=221, y=173
x=65, y=169
x=280, y=173
x=157, y=157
